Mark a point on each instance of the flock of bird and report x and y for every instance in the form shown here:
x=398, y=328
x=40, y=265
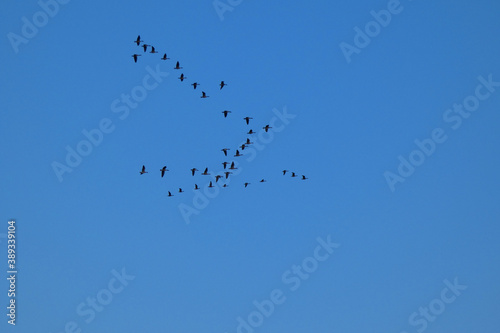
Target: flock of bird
x=248, y=142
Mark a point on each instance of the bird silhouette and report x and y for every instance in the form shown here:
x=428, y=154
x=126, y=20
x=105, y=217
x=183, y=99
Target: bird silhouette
x=138, y=40
x=163, y=170
x=135, y=56
x=177, y=66
x=232, y=167
x=205, y=173
x=304, y=177
x=293, y=174
x=196, y=84
x=227, y=173
x=170, y=194
x=225, y=164
x=266, y=128
x=145, y=47
x=153, y=50
x=247, y=119
x=238, y=153
x=246, y=184
x=284, y=172
x=222, y=84
x=225, y=113
x=210, y=185
x=180, y=190
x=193, y=170
x=182, y=77
x=217, y=177
x=225, y=150
x=251, y=132
x=143, y=171
x=204, y=95
x=262, y=180
x=196, y=187
x=165, y=57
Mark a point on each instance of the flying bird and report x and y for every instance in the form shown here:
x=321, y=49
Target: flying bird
x=165, y=57
x=205, y=173
x=163, y=170
x=135, y=56
x=210, y=185
x=227, y=173
x=180, y=190
x=170, y=194
x=138, y=40
x=262, y=180
x=153, y=50
x=177, y=66
x=232, y=167
x=225, y=185
x=217, y=177
x=293, y=174
x=238, y=153
x=304, y=177
x=284, y=172
x=247, y=119
x=196, y=84
x=246, y=184
x=182, y=77
x=222, y=84
x=243, y=147
x=145, y=46
x=225, y=113
x=196, y=187
x=225, y=151
x=143, y=171
x=266, y=128
x=225, y=163
x=203, y=95
x=193, y=170
x=251, y=132
x=248, y=142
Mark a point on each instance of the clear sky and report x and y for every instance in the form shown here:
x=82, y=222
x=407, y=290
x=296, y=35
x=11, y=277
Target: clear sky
x=391, y=111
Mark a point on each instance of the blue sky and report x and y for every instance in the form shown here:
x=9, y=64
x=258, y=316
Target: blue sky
x=411, y=227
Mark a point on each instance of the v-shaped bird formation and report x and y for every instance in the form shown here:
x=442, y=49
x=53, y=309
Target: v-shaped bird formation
x=232, y=165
